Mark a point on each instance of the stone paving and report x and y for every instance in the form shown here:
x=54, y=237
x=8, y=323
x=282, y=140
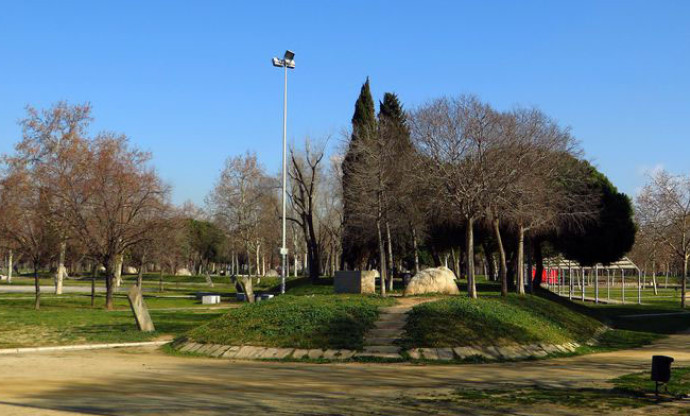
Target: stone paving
x=379, y=342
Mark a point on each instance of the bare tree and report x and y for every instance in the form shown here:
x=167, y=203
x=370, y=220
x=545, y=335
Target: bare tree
x=109, y=194
x=452, y=135
x=305, y=173
x=663, y=206
x=23, y=222
x=45, y=137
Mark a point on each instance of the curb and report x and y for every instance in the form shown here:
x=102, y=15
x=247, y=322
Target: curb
x=7, y=351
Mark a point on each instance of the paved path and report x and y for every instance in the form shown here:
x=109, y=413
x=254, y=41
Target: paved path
x=379, y=342
x=148, y=382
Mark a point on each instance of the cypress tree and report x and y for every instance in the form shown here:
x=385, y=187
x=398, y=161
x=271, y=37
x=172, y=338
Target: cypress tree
x=364, y=129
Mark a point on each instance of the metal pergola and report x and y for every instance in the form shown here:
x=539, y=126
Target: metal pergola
x=572, y=273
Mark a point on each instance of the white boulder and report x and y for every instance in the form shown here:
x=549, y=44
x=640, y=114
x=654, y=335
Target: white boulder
x=130, y=270
x=434, y=280
x=183, y=272
x=272, y=273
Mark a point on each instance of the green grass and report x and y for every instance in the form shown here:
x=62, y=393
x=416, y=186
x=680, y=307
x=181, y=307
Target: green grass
x=65, y=320
x=460, y=321
x=318, y=321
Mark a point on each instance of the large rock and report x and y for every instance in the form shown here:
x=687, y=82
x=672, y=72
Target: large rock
x=129, y=270
x=435, y=280
x=272, y=273
x=183, y=272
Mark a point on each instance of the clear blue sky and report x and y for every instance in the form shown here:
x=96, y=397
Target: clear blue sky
x=192, y=81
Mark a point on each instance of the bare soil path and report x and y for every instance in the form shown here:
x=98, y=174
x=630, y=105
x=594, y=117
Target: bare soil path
x=149, y=382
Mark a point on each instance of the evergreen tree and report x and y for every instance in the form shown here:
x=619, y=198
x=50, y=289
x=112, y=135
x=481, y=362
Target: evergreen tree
x=364, y=129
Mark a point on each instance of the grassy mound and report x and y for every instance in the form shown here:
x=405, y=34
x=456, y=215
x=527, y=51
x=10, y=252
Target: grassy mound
x=319, y=321
x=495, y=321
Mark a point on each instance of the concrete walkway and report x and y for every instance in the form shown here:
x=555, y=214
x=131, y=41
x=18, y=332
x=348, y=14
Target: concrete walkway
x=379, y=342
x=148, y=382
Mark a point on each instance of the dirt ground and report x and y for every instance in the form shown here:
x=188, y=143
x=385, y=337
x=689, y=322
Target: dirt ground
x=149, y=382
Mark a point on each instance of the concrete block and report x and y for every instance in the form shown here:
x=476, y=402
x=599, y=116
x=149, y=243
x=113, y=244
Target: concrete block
x=210, y=299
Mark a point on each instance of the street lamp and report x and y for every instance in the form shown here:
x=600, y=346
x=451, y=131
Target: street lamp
x=288, y=62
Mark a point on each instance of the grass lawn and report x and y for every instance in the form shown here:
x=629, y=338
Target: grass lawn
x=315, y=321
x=69, y=319
x=460, y=321
x=626, y=392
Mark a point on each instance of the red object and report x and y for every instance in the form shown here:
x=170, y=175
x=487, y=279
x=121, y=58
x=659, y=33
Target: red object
x=551, y=277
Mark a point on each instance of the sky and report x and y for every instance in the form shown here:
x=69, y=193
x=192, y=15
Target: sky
x=192, y=81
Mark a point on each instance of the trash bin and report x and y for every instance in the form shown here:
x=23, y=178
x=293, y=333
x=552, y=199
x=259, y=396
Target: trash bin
x=661, y=368
x=406, y=277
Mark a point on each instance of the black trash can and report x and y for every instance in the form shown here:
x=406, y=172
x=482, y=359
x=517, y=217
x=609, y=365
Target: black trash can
x=661, y=368
x=406, y=277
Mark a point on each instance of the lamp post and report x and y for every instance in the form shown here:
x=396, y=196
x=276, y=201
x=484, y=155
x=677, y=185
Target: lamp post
x=288, y=62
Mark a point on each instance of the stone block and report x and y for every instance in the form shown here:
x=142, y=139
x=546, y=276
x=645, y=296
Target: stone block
x=354, y=282
x=491, y=353
x=268, y=353
x=247, y=352
x=345, y=354
x=231, y=352
x=283, y=353
x=219, y=350
x=299, y=354
x=467, y=352
x=444, y=354
x=205, y=349
x=141, y=312
x=194, y=347
x=429, y=353
x=315, y=354
x=414, y=354
x=330, y=354
x=210, y=299
x=510, y=352
x=187, y=346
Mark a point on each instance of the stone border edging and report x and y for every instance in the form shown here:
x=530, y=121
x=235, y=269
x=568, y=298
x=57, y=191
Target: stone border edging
x=248, y=352
x=6, y=351
x=489, y=353
x=505, y=352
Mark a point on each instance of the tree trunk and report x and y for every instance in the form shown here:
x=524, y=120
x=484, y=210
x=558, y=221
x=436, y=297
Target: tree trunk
x=382, y=257
x=37, y=288
x=94, y=273
x=9, y=267
x=415, y=248
x=119, y=259
x=683, y=285
x=390, y=257
x=140, y=274
x=469, y=237
x=60, y=275
x=109, y=283
x=503, y=270
x=521, y=261
x=654, y=286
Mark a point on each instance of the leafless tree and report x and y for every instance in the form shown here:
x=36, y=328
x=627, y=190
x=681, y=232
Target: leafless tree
x=453, y=134
x=23, y=222
x=46, y=135
x=109, y=195
x=663, y=206
x=305, y=174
